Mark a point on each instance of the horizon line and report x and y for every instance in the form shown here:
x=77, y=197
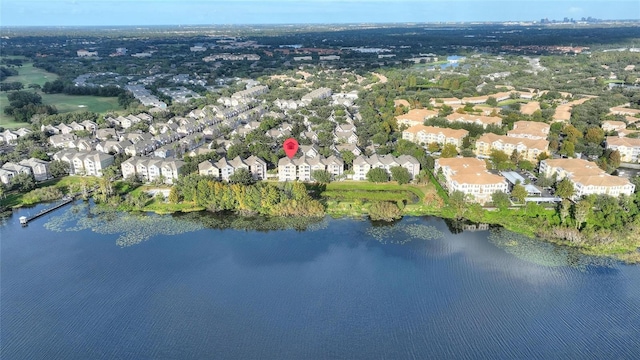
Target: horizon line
x=551, y=22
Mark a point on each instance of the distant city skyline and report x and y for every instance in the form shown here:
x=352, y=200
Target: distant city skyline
x=237, y=12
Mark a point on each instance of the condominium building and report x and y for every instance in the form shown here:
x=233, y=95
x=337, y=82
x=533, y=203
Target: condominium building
x=527, y=148
x=628, y=148
x=530, y=130
x=425, y=135
x=612, y=125
x=482, y=120
x=152, y=169
x=90, y=163
x=587, y=177
x=223, y=168
x=302, y=168
x=470, y=176
x=39, y=168
x=362, y=164
x=416, y=117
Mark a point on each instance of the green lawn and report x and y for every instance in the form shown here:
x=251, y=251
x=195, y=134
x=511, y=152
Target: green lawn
x=27, y=74
x=512, y=101
x=6, y=121
x=69, y=103
x=64, y=103
x=417, y=190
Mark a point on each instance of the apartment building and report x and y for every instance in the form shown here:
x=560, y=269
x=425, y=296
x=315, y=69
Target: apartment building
x=481, y=120
x=302, y=168
x=530, y=130
x=416, y=117
x=628, y=148
x=612, y=125
x=587, y=177
x=362, y=164
x=470, y=176
x=223, y=168
x=152, y=169
x=425, y=135
x=529, y=149
x=90, y=163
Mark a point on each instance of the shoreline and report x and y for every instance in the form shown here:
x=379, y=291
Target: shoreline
x=515, y=220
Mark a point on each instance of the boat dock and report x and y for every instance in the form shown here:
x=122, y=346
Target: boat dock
x=24, y=220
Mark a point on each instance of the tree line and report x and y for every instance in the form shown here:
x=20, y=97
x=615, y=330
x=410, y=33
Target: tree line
x=288, y=199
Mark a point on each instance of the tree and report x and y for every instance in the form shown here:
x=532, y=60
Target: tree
x=174, y=195
x=491, y=101
x=581, y=211
x=526, y=165
x=614, y=159
x=321, y=176
x=433, y=147
x=377, y=175
x=594, y=135
x=384, y=211
x=573, y=134
x=241, y=176
x=445, y=110
x=636, y=181
x=23, y=182
x=449, y=151
x=519, y=193
x=59, y=168
x=400, y=174
x=564, y=188
x=500, y=200
x=348, y=157
x=515, y=156
x=564, y=208
x=568, y=148
x=458, y=202
x=544, y=181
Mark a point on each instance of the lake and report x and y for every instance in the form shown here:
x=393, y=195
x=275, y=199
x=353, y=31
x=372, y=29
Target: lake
x=82, y=284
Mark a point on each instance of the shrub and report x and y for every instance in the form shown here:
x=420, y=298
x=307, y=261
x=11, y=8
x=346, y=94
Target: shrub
x=384, y=211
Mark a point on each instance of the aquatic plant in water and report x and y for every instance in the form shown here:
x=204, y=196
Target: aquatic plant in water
x=404, y=233
x=543, y=253
x=132, y=228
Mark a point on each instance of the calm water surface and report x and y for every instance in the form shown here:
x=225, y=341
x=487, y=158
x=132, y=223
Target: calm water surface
x=80, y=285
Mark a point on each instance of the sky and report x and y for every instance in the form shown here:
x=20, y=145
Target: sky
x=226, y=12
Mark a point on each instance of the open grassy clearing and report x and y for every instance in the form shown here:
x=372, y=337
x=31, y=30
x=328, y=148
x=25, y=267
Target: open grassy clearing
x=7, y=121
x=64, y=103
x=28, y=74
x=70, y=103
x=512, y=101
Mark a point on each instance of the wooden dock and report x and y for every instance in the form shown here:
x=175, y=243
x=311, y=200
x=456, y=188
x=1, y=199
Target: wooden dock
x=24, y=220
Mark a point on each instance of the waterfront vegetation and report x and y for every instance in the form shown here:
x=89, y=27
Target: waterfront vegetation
x=383, y=202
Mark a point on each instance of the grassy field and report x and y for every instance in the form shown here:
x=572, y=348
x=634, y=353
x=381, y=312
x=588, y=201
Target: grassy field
x=27, y=74
x=69, y=103
x=353, y=198
x=512, y=101
x=64, y=103
x=6, y=121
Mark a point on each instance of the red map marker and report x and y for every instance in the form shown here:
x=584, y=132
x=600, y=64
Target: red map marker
x=290, y=147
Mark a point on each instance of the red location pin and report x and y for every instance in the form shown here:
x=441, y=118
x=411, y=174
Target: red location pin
x=290, y=147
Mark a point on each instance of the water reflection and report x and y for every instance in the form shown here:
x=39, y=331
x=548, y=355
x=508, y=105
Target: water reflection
x=134, y=228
